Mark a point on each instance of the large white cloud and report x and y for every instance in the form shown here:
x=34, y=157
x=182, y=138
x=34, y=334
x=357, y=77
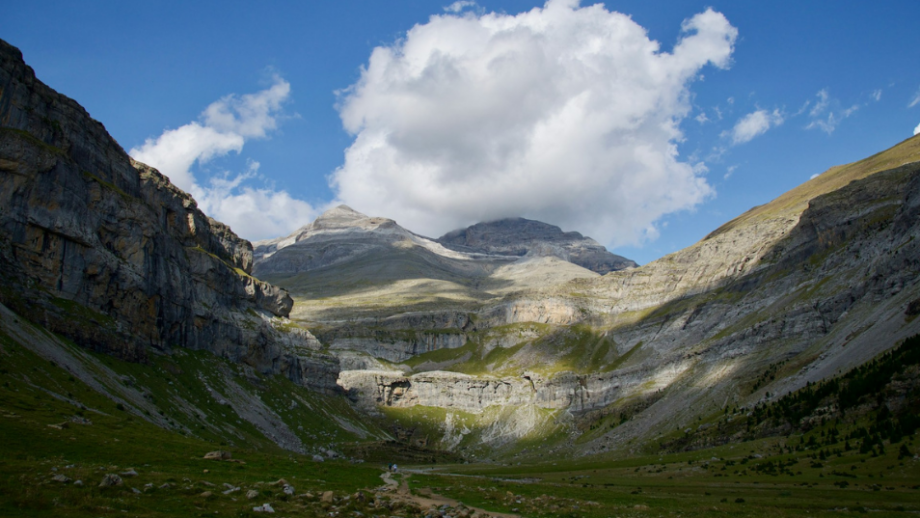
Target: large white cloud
x=754, y=124
x=565, y=114
x=224, y=126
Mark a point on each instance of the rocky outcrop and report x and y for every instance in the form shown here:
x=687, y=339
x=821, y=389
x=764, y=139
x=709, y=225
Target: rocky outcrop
x=106, y=251
x=525, y=237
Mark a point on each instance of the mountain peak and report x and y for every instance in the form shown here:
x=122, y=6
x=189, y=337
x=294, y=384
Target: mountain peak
x=341, y=212
x=520, y=237
x=339, y=217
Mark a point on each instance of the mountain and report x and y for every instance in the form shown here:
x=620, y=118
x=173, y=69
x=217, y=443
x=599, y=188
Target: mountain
x=339, y=235
x=812, y=284
x=523, y=237
x=375, y=267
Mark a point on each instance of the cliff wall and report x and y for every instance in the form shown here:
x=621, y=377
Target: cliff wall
x=107, y=252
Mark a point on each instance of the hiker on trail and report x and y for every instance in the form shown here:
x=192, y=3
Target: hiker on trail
x=395, y=468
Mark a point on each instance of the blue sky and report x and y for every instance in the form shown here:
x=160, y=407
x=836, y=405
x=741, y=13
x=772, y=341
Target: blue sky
x=758, y=98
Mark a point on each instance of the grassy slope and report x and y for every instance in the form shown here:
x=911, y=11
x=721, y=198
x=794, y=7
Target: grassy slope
x=40, y=439
x=796, y=200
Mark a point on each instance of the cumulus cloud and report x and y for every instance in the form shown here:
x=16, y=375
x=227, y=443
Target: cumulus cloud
x=754, y=124
x=565, y=114
x=917, y=129
x=826, y=114
x=224, y=127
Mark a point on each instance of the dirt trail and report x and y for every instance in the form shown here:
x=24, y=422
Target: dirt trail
x=401, y=492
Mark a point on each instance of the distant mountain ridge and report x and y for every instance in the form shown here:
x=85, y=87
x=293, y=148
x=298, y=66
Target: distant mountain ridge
x=521, y=237
x=342, y=233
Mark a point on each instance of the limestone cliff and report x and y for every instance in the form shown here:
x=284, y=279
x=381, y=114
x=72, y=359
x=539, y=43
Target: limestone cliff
x=107, y=252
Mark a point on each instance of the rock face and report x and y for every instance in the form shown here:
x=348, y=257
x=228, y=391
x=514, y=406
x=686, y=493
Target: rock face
x=525, y=237
x=106, y=251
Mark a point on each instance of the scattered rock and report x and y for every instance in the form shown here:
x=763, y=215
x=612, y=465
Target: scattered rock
x=264, y=508
x=206, y=483
x=288, y=489
x=279, y=482
x=640, y=507
x=252, y=493
x=78, y=483
x=130, y=472
x=231, y=490
x=63, y=479
x=111, y=480
x=135, y=490
x=218, y=455
x=318, y=458
x=206, y=494
x=328, y=497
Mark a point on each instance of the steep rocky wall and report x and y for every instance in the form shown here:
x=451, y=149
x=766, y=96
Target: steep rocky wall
x=106, y=251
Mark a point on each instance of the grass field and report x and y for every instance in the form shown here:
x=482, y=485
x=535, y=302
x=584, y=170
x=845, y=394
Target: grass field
x=725, y=481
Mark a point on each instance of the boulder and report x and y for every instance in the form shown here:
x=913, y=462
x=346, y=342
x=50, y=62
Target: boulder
x=218, y=455
x=111, y=480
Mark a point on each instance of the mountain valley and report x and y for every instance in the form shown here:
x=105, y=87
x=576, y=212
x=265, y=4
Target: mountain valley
x=503, y=362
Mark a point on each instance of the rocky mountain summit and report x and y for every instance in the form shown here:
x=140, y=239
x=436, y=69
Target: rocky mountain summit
x=338, y=235
x=526, y=237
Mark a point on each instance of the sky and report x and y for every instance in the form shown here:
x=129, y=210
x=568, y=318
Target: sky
x=642, y=124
